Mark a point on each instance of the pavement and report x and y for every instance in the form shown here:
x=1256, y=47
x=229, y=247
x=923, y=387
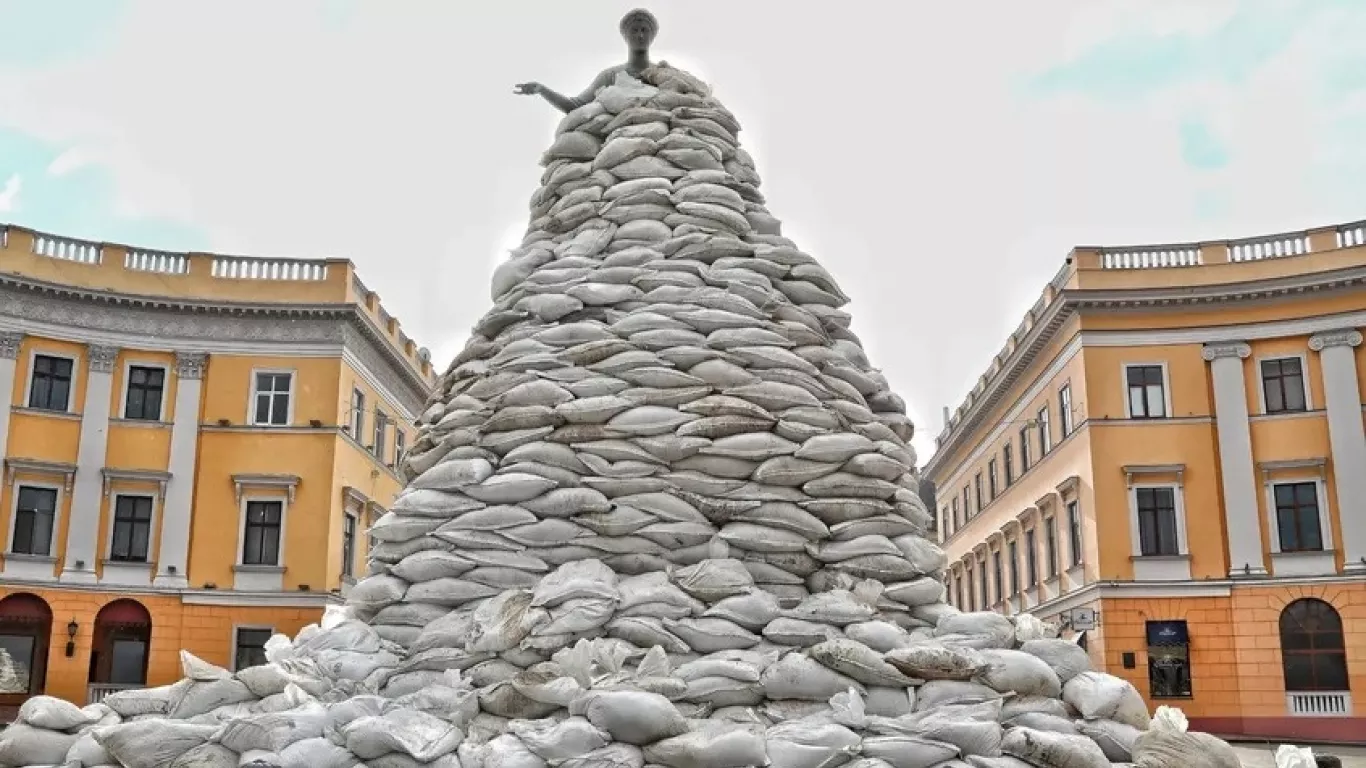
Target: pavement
x=1261, y=755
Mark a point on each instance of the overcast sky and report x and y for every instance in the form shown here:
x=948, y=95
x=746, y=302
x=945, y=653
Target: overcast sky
x=939, y=158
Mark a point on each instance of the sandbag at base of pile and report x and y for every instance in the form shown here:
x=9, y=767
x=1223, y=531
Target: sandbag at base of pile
x=661, y=510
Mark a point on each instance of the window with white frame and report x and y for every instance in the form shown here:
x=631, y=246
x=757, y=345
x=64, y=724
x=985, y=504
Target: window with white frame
x=381, y=434
x=982, y=585
x=1074, y=532
x=261, y=532
x=250, y=647
x=35, y=515
x=1283, y=388
x=1298, y=522
x=1045, y=432
x=1050, y=543
x=977, y=490
x=967, y=502
x=1147, y=391
x=1031, y=558
x=400, y=445
x=957, y=516
x=1008, y=459
x=271, y=395
x=998, y=575
x=1013, y=549
x=146, y=387
x=1157, y=522
x=1024, y=449
x=972, y=594
x=132, y=532
x=1065, y=409
x=357, y=413
x=992, y=481
x=50, y=383
x=348, y=565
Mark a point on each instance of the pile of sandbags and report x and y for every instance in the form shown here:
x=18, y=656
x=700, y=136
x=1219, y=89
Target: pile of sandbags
x=661, y=510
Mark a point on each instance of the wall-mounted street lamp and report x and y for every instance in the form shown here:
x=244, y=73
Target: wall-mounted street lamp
x=71, y=629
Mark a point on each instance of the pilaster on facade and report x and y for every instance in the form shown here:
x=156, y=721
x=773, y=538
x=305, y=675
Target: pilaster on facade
x=1235, y=457
x=9, y=353
x=1346, y=438
x=173, y=556
x=83, y=530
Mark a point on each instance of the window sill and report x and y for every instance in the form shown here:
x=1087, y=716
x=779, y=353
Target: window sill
x=243, y=568
x=1307, y=563
x=30, y=558
x=144, y=423
x=27, y=411
x=1286, y=415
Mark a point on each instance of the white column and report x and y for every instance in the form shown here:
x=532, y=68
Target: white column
x=83, y=529
x=1346, y=438
x=1235, y=458
x=172, y=560
x=9, y=350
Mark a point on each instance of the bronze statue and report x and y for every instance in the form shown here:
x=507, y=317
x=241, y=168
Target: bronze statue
x=638, y=29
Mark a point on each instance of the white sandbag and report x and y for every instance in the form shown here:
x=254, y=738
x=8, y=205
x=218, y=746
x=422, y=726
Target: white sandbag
x=633, y=717
x=1018, y=705
x=837, y=608
x=1097, y=695
x=798, y=676
x=993, y=627
x=1053, y=750
x=22, y=745
x=801, y=744
x=317, y=753
x=709, y=635
x=1163, y=748
x=511, y=488
x=217, y=756
x=1066, y=658
x=712, y=745
x=858, y=661
x=615, y=755
x=922, y=591
x=201, y=697
x=453, y=475
x=558, y=740
x=713, y=580
x=416, y=734
x=889, y=702
x=1019, y=673
x=52, y=714
x=584, y=579
x=1116, y=740
x=904, y=751
x=881, y=636
x=753, y=611
x=1291, y=756
x=937, y=693
x=505, y=751
x=263, y=680
x=273, y=732
x=87, y=752
x=799, y=633
x=835, y=448
x=150, y=743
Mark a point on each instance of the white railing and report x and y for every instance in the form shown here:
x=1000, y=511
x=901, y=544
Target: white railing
x=1319, y=703
x=157, y=261
x=267, y=269
x=1152, y=258
x=1273, y=247
x=95, y=692
x=1351, y=235
x=67, y=249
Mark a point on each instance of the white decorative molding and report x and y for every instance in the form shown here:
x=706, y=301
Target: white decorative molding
x=102, y=358
x=288, y=483
x=116, y=474
x=190, y=365
x=9, y=344
x=1154, y=469
x=1347, y=337
x=1238, y=349
x=13, y=466
x=1069, y=486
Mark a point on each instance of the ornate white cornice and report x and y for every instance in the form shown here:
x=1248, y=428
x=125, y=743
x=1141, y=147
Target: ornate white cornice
x=287, y=483
x=1346, y=337
x=13, y=466
x=9, y=344
x=115, y=474
x=190, y=365
x=1235, y=349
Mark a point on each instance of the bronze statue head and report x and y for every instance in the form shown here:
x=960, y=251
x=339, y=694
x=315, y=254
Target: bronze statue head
x=638, y=29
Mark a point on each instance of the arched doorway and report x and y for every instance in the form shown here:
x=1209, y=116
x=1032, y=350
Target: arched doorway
x=25, y=633
x=118, y=656
x=1313, y=657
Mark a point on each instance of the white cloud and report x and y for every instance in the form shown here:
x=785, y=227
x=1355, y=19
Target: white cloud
x=72, y=159
x=10, y=192
x=893, y=142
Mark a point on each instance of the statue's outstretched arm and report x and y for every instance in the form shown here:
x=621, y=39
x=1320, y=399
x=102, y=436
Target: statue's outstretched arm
x=564, y=103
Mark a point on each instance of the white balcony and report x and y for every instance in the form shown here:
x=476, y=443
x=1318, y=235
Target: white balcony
x=1318, y=703
x=95, y=692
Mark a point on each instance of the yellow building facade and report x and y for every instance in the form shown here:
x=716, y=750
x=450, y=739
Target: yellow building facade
x=193, y=447
x=1168, y=458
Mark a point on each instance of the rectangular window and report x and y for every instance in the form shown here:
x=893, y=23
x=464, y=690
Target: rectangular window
x=132, y=529
x=957, y=521
x=977, y=490
x=998, y=575
x=1297, y=517
x=145, y=387
x=982, y=585
x=1045, y=432
x=1283, y=385
x=1074, y=532
x=1008, y=459
x=272, y=399
x=991, y=479
x=357, y=413
x=972, y=594
x=251, y=648
x=33, y=521
x=1169, y=666
x=1050, y=543
x=1147, y=392
x=1065, y=409
x=1031, y=558
x=50, y=387
x=1157, y=522
x=348, y=568
x=961, y=605
x=1024, y=450
x=1014, y=554
x=381, y=434
x=261, y=539
x=400, y=446
x=967, y=502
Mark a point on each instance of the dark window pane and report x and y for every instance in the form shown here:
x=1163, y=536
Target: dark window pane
x=251, y=647
x=1313, y=656
x=128, y=662
x=20, y=649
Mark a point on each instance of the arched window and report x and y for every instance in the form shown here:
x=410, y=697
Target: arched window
x=25, y=631
x=1313, y=656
